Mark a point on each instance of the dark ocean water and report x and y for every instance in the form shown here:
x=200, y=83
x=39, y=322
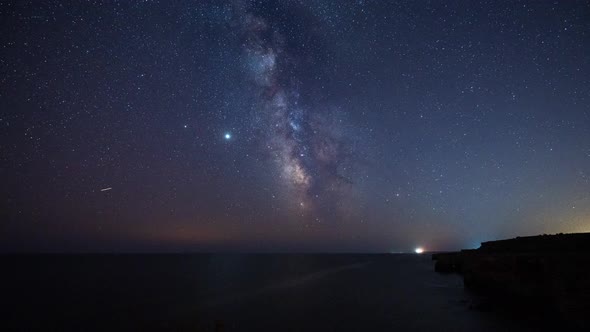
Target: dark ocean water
x=231, y=292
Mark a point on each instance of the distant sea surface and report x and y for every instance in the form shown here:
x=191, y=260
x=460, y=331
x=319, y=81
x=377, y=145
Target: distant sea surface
x=237, y=292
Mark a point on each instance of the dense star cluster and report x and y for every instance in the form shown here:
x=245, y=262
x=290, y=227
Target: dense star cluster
x=300, y=139
x=292, y=125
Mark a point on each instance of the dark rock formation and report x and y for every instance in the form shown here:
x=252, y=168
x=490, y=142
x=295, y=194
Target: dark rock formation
x=546, y=273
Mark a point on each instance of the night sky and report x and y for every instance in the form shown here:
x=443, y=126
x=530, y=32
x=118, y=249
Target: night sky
x=338, y=126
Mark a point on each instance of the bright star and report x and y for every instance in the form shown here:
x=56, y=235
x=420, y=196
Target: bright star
x=227, y=136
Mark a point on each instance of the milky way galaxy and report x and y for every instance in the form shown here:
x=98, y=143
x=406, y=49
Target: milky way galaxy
x=303, y=141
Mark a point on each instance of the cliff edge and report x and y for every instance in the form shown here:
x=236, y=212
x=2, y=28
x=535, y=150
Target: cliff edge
x=549, y=273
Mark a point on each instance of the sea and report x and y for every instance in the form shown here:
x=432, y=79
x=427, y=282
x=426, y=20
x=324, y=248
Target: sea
x=239, y=292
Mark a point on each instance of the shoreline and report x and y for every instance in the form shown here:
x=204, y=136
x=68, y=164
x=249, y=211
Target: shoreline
x=544, y=274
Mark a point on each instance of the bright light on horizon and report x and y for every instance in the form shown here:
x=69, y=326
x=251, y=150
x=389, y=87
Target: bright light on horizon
x=419, y=250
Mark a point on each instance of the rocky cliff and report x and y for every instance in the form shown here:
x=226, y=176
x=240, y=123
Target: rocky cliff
x=549, y=273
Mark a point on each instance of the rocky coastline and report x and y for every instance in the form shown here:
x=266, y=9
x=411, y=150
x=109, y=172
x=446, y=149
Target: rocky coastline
x=545, y=274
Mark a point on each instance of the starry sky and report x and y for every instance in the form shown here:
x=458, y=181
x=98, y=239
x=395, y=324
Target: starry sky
x=330, y=126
